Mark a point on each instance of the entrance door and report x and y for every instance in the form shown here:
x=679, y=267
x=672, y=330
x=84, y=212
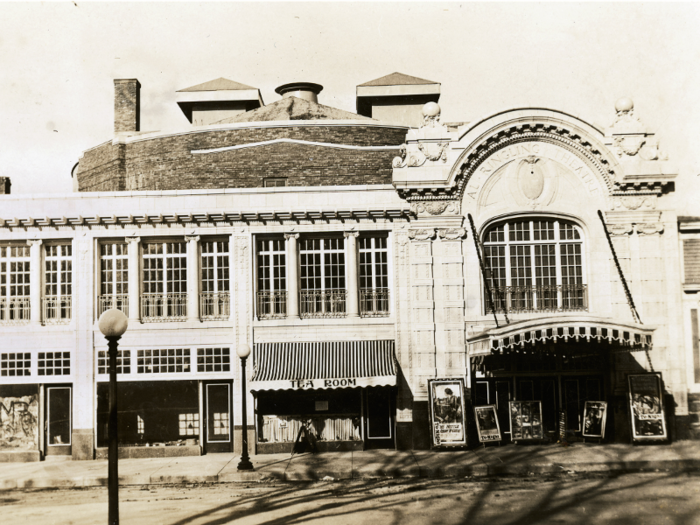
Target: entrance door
x=58, y=420
x=379, y=418
x=218, y=416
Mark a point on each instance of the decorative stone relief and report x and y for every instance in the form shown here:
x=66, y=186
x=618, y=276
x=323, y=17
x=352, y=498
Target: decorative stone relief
x=452, y=234
x=635, y=203
x=422, y=234
x=435, y=208
x=630, y=136
x=431, y=142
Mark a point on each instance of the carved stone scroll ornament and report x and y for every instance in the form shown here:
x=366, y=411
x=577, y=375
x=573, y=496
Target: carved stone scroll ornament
x=620, y=229
x=422, y=234
x=452, y=234
x=649, y=228
x=636, y=202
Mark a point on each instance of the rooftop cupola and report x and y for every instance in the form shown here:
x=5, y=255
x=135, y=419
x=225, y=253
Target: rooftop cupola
x=216, y=100
x=304, y=90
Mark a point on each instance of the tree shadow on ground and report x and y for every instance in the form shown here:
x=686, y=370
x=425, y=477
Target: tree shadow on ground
x=544, y=499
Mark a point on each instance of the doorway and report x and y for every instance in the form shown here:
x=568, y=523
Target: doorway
x=217, y=408
x=58, y=420
x=379, y=418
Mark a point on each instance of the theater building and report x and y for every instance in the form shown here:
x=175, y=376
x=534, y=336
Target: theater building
x=529, y=253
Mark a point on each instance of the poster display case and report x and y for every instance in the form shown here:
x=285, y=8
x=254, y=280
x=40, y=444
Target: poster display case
x=647, y=407
x=594, y=417
x=447, y=412
x=526, y=420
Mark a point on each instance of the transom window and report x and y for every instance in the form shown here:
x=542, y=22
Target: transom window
x=14, y=284
x=536, y=265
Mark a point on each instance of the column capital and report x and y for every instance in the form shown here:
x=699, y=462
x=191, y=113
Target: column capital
x=452, y=234
x=133, y=239
x=190, y=238
x=351, y=234
x=421, y=234
x=34, y=242
x=291, y=235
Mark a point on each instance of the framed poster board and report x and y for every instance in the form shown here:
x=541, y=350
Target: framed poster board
x=594, y=416
x=647, y=407
x=526, y=420
x=487, y=424
x=447, y=413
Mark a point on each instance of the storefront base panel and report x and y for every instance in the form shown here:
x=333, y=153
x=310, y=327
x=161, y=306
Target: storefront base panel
x=238, y=439
x=323, y=446
x=404, y=436
x=83, y=443
x=421, y=426
x=19, y=456
x=151, y=452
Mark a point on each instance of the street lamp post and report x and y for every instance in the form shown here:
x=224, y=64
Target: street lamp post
x=243, y=352
x=113, y=324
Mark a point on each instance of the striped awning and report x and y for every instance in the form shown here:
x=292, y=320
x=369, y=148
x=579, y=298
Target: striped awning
x=529, y=333
x=323, y=365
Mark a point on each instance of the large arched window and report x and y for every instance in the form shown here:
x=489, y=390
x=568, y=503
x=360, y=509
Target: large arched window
x=535, y=265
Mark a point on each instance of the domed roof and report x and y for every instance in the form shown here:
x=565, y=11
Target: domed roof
x=293, y=108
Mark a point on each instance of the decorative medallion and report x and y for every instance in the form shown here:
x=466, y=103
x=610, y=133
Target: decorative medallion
x=530, y=178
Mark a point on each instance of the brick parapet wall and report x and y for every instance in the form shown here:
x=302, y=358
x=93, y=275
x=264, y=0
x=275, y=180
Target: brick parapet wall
x=167, y=163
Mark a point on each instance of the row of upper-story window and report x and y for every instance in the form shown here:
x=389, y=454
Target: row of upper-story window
x=532, y=265
x=165, y=293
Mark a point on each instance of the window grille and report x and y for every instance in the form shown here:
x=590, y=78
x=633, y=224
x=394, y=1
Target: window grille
x=123, y=362
x=536, y=265
x=374, y=276
x=15, y=364
x=322, y=277
x=114, y=272
x=14, y=284
x=168, y=361
x=213, y=360
x=188, y=424
x=54, y=364
x=215, y=297
x=272, y=279
x=164, y=295
x=58, y=289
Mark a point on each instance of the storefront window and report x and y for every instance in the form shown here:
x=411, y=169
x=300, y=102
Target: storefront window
x=162, y=413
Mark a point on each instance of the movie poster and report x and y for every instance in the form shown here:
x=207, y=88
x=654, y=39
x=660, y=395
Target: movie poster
x=526, y=420
x=487, y=423
x=647, y=407
x=594, y=416
x=447, y=412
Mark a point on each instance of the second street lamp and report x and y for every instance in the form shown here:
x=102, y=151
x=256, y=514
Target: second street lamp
x=113, y=323
x=243, y=352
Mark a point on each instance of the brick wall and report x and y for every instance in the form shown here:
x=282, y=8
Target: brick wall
x=127, y=105
x=167, y=163
x=5, y=185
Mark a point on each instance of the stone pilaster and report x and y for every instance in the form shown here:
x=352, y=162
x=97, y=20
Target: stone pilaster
x=134, y=276
x=352, y=274
x=192, y=277
x=35, y=280
x=292, y=240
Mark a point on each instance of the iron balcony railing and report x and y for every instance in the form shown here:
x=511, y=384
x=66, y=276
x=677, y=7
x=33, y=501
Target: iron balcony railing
x=540, y=298
x=119, y=301
x=272, y=305
x=322, y=303
x=157, y=307
x=14, y=310
x=214, y=305
x=374, y=303
x=57, y=309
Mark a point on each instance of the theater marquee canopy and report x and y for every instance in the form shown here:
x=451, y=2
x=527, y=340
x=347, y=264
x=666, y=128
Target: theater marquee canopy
x=531, y=332
x=323, y=365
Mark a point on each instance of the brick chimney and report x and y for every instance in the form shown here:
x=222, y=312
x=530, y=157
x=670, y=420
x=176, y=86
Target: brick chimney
x=5, y=185
x=127, y=105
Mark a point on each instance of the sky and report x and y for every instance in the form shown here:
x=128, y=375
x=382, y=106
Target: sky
x=58, y=61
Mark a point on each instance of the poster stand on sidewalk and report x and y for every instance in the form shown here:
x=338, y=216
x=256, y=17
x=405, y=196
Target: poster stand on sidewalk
x=487, y=426
x=447, y=413
x=594, y=416
x=647, y=407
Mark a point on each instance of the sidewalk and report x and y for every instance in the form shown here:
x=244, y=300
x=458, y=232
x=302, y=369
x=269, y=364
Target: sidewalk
x=221, y=468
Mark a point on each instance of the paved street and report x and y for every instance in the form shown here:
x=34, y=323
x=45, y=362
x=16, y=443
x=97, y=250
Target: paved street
x=644, y=498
